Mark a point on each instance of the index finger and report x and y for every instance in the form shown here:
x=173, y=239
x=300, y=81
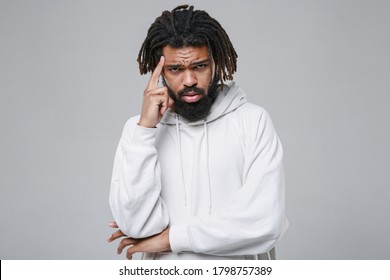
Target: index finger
x=156, y=74
x=115, y=235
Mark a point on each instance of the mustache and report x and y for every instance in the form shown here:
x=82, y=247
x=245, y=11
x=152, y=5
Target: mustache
x=191, y=89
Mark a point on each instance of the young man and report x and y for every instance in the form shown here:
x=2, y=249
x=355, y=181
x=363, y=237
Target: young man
x=198, y=174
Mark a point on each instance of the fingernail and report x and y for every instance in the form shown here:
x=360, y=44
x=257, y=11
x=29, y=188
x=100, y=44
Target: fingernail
x=109, y=238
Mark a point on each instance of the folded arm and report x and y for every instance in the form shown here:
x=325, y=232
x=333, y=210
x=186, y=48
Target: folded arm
x=135, y=199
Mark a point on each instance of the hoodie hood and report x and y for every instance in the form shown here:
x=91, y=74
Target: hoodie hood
x=229, y=99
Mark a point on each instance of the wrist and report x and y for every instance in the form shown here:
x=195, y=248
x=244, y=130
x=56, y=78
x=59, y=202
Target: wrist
x=166, y=240
x=146, y=124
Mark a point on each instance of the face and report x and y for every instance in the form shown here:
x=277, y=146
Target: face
x=189, y=75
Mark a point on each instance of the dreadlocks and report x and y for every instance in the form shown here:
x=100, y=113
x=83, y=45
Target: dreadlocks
x=185, y=27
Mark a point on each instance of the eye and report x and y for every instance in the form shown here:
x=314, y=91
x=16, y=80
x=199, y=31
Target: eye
x=201, y=66
x=174, y=69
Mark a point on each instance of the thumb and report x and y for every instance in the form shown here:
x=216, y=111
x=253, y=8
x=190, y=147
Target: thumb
x=170, y=103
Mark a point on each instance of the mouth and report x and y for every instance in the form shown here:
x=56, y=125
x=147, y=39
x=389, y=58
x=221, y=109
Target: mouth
x=191, y=97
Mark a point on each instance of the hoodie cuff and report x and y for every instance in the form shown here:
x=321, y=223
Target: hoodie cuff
x=179, y=238
x=144, y=138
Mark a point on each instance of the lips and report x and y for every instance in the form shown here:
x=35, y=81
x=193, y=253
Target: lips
x=191, y=97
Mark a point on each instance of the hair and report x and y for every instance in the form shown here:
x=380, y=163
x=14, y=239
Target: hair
x=184, y=27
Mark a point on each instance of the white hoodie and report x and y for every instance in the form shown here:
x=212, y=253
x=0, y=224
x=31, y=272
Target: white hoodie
x=218, y=183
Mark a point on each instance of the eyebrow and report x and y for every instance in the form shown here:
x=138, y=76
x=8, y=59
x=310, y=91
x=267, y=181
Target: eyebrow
x=205, y=61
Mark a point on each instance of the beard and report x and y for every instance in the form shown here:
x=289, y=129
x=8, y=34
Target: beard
x=197, y=110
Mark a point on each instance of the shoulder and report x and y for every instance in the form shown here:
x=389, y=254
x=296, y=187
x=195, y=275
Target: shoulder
x=250, y=112
x=254, y=122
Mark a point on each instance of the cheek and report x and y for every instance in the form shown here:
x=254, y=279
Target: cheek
x=172, y=82
x=205, y=79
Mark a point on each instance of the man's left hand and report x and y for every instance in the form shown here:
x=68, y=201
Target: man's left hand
x=153, y=244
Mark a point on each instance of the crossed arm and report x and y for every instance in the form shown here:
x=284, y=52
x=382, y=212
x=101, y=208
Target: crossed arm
x=155, y=103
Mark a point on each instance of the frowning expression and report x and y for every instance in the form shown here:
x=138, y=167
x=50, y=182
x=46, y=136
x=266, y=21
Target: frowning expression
x=188, y=71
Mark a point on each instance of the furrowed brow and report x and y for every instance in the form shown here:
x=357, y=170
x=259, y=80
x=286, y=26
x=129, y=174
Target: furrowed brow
x=205, y=61
x=170, y=66
x=173, y=66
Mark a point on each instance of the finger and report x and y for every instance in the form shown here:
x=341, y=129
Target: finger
x=115, y=235
x=157, y=91
x=113, y=224
x=156, y=74
x=134, y=249
x=124, y=243
x=164, y=105
x=167, y=105
x=129, y=253
x=159, y=97
x=170, y=103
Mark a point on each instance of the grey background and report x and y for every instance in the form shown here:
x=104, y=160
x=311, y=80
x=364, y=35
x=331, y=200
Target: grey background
x=69, y=80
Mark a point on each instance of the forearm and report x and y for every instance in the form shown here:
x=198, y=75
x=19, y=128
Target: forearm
x=240, y=229
x=136, y=185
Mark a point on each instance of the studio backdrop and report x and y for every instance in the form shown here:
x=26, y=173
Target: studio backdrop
x=69, y=80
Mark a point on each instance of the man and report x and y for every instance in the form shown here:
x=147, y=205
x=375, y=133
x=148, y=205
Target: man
x=198, y=174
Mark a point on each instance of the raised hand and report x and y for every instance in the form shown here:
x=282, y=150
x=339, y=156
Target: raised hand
x=156, y=99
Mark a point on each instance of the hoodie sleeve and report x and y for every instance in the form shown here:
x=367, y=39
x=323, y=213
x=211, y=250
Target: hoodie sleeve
x=253, y=221
x=134, y=198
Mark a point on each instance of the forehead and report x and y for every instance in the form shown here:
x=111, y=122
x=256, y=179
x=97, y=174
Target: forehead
x=185, y=55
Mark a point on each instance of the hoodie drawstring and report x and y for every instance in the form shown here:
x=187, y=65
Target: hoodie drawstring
x=180, y=158
x=181, y=168
x=208, y=164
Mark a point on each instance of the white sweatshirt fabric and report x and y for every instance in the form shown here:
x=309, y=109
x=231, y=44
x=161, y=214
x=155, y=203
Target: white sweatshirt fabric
x=217, y=183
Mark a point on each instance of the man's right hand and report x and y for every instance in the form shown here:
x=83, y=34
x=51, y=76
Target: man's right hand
x=153, y=244
x=156, y=100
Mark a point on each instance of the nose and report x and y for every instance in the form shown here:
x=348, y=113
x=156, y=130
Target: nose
x=189, y=78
